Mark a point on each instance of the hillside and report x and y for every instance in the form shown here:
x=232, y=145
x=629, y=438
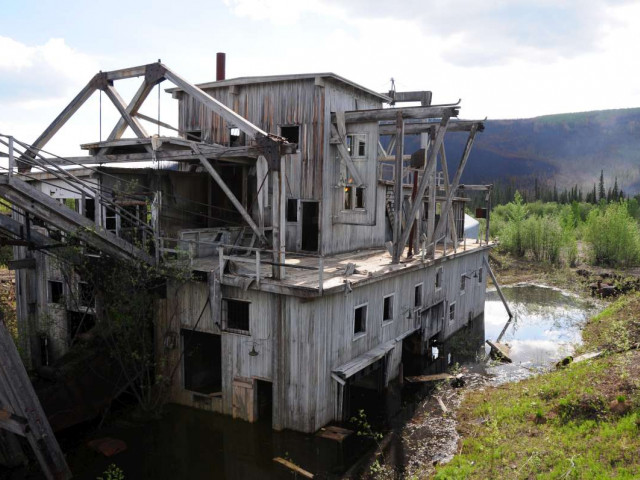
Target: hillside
x=566, y=148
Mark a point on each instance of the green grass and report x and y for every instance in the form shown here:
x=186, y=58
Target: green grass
x=580, y=422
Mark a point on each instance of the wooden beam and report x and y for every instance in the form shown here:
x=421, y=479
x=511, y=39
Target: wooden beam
x=63, y=117
x=381, y=114
x=445, y=174
x=217, y=107
x=344, y=155
x=430, y=168
x=22, y=263
x=414, y=128
x=398, y=197
x=227, y=191
x=293, y=467
x=136, y=102
x=454, y=185
x=117, y=100
x=17, y=387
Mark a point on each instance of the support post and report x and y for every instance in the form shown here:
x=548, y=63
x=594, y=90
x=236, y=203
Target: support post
x=397, y=247
x=502, y=297
x=11, y=159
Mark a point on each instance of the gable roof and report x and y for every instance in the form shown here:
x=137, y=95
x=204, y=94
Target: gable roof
x=284, y=78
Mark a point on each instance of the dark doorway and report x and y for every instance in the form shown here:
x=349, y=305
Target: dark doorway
x=310, y=226
x=265, y=401
x=202, y=362
x=78, y=323
x=363, y=391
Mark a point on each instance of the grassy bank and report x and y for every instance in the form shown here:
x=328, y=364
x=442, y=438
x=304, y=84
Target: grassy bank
x=581, y=421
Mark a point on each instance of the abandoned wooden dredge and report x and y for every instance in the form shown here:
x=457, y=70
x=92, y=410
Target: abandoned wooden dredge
x=322, y=252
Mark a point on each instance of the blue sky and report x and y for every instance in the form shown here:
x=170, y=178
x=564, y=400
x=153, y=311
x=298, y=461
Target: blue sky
x=504, y=58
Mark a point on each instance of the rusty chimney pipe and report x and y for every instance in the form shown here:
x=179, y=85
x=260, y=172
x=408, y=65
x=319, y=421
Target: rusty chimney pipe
x=220, y=66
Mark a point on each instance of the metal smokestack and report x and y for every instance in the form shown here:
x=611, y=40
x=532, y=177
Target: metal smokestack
x=221, y=59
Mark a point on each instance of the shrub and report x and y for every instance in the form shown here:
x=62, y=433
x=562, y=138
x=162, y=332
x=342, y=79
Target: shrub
x=613, y=236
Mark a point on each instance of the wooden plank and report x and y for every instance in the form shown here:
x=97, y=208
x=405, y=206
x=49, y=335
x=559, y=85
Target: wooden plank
x=22, y=263
x=500, y=351
x=381, y=114
x=15, y=381
x=414, y=128
x=292, y=466
x=334, y=433
x=428, y=378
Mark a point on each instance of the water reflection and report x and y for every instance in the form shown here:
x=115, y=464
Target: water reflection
x=546, y=325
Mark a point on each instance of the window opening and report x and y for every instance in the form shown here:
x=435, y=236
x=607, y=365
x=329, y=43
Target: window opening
x=417, y=295
x=357, y=145
x=292, y=210
x=452, y=311
x=387, y=309
x=235, y=314
x=360, y=320
x=463, y=282
x=202, y=362
x=55, y=292
x=291, y=133
x=195, y=135
x=439, y=277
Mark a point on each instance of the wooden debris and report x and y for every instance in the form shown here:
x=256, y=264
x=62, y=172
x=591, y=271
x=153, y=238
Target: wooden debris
x=428, y=378
x=587, y=356
x=108, y=446
x=500, y=351
x=334, y=433
x=442, y=405
x=292, y=466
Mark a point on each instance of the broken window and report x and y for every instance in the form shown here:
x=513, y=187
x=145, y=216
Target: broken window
x=452, y=311
x=195, y=135
x=439, y=277
x=79, y=322
x=202, y=362
x=292, y=210
x=360, y=320
x=357, y=145
x=348, y=198
x=417, y=295
x=55, y=292
x=236, y=137
x=387, y=309
x=359, y=197
x=235, y=315
x=85, y=294
x=291, y=133
x=354, y=198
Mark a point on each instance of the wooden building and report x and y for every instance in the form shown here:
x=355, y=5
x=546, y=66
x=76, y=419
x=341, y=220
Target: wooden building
x=323, y=253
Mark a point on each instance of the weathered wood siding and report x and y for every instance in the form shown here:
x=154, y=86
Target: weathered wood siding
x=320, y=333
x=342, y=237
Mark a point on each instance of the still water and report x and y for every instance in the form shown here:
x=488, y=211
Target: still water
x=545, y=328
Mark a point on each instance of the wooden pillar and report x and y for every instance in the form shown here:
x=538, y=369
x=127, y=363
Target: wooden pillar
x=431, y=218
x=398, y=197
x=278, y=205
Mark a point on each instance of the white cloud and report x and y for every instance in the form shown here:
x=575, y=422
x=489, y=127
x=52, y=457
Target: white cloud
x=41, y=72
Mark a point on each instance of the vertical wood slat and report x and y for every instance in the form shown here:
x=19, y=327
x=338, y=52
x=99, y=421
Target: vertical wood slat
x=15, y=382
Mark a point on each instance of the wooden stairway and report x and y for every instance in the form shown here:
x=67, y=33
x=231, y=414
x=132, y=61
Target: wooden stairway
x=40, y=205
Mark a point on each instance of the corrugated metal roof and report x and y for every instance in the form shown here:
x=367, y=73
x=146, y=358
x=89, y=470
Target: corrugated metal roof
x=284, y=78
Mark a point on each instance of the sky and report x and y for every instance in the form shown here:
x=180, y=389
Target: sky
x=503, y=58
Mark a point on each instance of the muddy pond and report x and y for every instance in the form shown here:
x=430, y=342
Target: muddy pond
x=191, y=444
